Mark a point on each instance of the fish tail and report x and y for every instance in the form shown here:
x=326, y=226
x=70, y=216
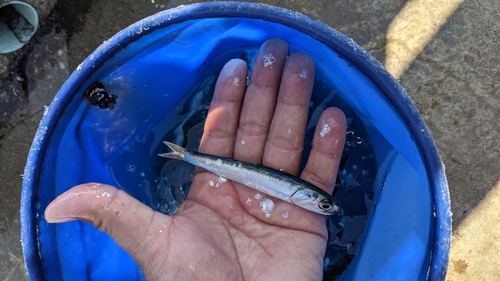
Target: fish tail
x=177, y=151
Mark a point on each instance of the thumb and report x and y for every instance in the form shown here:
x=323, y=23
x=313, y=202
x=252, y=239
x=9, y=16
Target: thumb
x=126, y=220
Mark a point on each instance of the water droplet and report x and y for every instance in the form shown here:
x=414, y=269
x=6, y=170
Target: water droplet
x=131, y=168
x=325, y=129
x=268, y=59
x=107, y=193
x=267, y=207
x=303, y=74
x=236, y=81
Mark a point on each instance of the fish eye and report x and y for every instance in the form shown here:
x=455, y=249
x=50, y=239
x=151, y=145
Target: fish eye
x=325, y=204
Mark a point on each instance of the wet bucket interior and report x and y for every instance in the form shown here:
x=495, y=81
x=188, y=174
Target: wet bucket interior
x=162, y=70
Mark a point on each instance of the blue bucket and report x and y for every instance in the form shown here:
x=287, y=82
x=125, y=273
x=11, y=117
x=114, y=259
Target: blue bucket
x=159, y=74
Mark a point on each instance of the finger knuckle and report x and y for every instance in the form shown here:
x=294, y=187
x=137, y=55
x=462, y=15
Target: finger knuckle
x=285, y=144
x=219, y=133
x=314, y=177
x=253, y=128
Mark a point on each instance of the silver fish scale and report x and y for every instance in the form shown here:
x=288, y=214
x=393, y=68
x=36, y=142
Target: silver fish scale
x=266, y=180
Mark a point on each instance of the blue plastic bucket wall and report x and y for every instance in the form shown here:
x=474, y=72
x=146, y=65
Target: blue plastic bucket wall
x=153, y=64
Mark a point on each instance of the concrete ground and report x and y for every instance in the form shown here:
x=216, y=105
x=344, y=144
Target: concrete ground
x=446, y=54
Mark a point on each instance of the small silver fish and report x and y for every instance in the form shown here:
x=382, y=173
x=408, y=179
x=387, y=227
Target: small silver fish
x=266, y=180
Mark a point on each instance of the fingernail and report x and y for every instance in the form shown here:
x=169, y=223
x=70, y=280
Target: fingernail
x=56, y=213
x=50, y=219
x=74, y=203
x=231, y=66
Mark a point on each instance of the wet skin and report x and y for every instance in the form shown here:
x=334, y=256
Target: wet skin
x=217, y=234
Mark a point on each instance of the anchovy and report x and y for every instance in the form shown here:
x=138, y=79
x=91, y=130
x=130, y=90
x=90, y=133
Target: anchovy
x=272, y=182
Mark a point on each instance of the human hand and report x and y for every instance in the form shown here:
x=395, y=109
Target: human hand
x=217, y=233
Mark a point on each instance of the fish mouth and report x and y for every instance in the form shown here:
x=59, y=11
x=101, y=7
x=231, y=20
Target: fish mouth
x=314, y=202
x=336, y=208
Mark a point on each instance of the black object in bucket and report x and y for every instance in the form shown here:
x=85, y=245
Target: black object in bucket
x=98, y=96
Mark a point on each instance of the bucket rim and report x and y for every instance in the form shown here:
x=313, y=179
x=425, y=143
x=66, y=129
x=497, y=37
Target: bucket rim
x=319, y=31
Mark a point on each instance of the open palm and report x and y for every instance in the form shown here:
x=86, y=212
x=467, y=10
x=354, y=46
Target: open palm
x=221, y=231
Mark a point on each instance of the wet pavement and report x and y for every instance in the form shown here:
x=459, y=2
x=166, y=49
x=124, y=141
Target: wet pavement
x=446, y=56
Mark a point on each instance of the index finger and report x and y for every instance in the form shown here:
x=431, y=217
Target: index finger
x=222, y=119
